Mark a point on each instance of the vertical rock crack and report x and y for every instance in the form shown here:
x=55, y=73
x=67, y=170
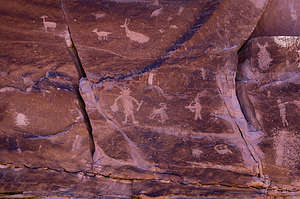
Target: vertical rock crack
x=81, y=73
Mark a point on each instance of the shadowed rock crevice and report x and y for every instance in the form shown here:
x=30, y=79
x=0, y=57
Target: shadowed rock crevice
x=81, y=73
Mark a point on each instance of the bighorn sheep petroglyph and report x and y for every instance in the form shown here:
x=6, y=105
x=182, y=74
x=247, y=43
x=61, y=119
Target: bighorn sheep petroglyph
x=48, y=24
x=101, y=34
x=134, y=36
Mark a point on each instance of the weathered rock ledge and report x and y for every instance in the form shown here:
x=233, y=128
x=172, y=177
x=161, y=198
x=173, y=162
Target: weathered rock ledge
x=139, y=99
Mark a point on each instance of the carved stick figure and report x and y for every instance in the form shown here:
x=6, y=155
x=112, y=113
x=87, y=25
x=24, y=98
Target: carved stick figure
x=196, y=107
x=127, y=103
x=161, y=112
x=282, y=112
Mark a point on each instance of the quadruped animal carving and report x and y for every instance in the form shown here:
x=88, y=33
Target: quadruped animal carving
x=127, y=103
x=102, y=35
x=48, y=24
x=160, y=112
x=134, y=36
x=222, y=149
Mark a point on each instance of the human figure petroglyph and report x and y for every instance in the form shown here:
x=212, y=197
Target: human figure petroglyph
x=222, y=149
x=127, y=103
x=134, y=36
x=160, y=112
x=150, y=78
x=102, y=35
x=195, y=106
x=282, y=112
x=48, y=24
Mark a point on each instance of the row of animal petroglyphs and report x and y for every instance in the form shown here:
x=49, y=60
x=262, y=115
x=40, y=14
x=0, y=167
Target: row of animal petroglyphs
x=127, y=102
x=132, y=35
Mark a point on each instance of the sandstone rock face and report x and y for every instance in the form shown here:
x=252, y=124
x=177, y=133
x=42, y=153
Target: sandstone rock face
x=138, y=99
x=268, y=84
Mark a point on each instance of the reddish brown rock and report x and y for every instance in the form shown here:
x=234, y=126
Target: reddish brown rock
x=279, y=19
x=41, y=121
x=167, y=106
x=268, y=88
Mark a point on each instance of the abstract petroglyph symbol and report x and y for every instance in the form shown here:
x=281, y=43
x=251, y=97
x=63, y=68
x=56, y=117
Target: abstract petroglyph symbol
x=156, y=12
x=264, y=57
x=293, y=11
x=102, y=35
x=156, y=2
x=150, y=78
x=99, y=15
x=282, y=112
x=48, y=24
x=180, y=10
x=222, y=149
x=134, y=36
x=195, y=106
x=127, y=103
x=160, y=112
x=21, y=120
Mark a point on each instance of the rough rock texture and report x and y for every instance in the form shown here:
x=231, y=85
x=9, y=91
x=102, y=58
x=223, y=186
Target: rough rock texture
x=140, y=98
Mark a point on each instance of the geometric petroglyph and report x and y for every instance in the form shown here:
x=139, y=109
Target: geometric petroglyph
x=264, y=57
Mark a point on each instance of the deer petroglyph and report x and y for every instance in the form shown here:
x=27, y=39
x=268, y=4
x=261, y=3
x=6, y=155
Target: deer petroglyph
x=48, y=24
x=102, y=35
x=127, y=103
x=195, y=106
x=134, y=36
x=160, y=112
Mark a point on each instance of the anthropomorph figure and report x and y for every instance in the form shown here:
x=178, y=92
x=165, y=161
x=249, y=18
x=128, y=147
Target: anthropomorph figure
x=195, y=106
x=160, y=112
x=127, y=103
x=282, y=112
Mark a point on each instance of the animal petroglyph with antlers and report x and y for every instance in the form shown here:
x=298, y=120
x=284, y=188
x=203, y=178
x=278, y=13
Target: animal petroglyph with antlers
x=102, y=35
x=134, y=36
x=48, y=24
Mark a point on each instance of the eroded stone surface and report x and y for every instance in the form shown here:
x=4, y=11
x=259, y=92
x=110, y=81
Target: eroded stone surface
x=177, y=111
x=271, y=103
x=41, y=124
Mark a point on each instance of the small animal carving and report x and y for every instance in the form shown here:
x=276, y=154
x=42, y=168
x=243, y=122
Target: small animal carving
x=160, y=112
x=48, y=24
x=134, y=36
x=156, y=12
x=98, y=16
x=222, y=149
x=102, y=35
